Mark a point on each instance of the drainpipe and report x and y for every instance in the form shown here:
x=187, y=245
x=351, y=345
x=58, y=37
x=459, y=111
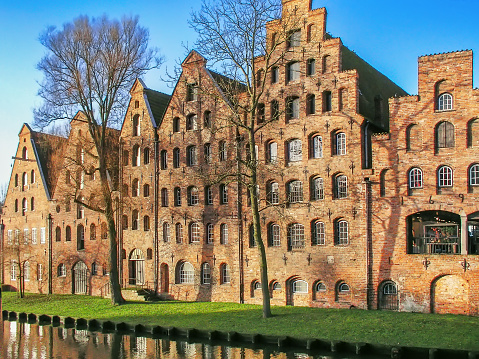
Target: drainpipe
x=2, y=267
x=240, y=218
x=50, y=254
x=156, y=254
x=120, y=216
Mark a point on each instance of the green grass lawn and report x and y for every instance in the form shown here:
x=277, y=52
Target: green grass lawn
x=380, y=327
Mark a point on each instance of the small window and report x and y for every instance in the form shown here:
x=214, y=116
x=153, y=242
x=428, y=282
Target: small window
x=294, y=38
x=274, y=75
x=316, y=146
x=274, y=235
x=295, y=151
x=176, y=158
x=164, y=160
x=309, y=32
x=124, y=222
x=327, y=101
x=295, y=191
x=341, y=235
x=311, y=67
x=24, y=153
x=259, y=78
x=135, y=188
x=474, y=175
x=444, y=102
x=137, y=104
x=192, y=92
x=94, y=269
x=177, y=195
x=193, y=196
x=176, y=124
x=205, y=274
x=32, y=176
x=300, y=286
x=58, y=234
x=320, y=287
x=92, y=232
x=24, y=206
x=272, y=152
x=68, y=234
x=224, y=274
x=273, y=192
x=339, y=144
x=136, y=125
x=135, y=159
x=207, y=119
x=223, y=194
x=194, y=233
x=210, y=233
x=191, y=123
x=166, y=232
x=310, y=104
x=224, y=233
x=146, y=156
x=186, y=273
x=208, y=195
x=327, y=64
x=104, y=230
x=415, y=178
x=260, y=113
x=16, y=180
x=62, y=270
x=146, y=223
x=295, y=236
x=341, y=186
x=318, y=237
x=382, y=183
x=134, y=220
x=223, y=154
x=146, y=190
x=207, y=153
x=343, y=288
x=191, y=159
x=444, y=177
x=317, y=189
x=292, y=71
x=274, y=107
x=179, y=233
x=445, y=135
x=292, y=108
x=32, y=204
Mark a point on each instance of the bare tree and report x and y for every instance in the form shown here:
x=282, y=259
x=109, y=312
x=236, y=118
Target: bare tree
x=90, y=66
x=3, y=193
x=232, y=35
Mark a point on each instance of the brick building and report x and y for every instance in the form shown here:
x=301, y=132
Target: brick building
x=365, y=201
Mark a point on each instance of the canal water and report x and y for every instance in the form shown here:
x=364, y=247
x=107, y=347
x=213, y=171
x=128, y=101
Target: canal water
x=22, y=340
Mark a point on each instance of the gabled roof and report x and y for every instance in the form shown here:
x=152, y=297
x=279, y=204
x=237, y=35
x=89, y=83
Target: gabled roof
x=228, y=86
x=157, y=102
x=372, y=84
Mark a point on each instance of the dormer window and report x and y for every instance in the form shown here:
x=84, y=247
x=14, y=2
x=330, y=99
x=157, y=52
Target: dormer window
x=444, y=102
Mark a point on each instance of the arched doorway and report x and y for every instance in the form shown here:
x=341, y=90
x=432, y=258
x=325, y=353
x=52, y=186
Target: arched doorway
x=164, y=278
x=80, y=278
x=388, y=296
x=136, y=267
x=450, y=294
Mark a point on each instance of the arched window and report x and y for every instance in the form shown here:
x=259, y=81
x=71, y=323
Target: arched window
x=32, y=204
x=192, y=92
x=146, y=155
x=274, y=235
x=292, y=108
x=24, y=206
x=191, y=159
x=210, y=233
x=300, y=286
x=295, y=236
x=339, y=143
x=272, y=152
x=444, y=177
x=343, y=288
x=316, y=189
x=135, y=188
x=194, y=232
x=16, y=179
x=104, y=230
x=205, y=274
x=292, y=71
x=166, y=232
x=341, y=232
x=316, y=146
x=318, y=237
x=309, y=32
x=252, y=240
x=444, y=135
x=319, y=289
x=222, y=151
x=272, y=193
x=94, y=269
x=224, y=233
x=327, y=64
x=207, y=152
x=16, y=205
x=274, y=108
x=68, y=234
x=136, y=125
x=193, y=196
x=311, y=67
x=135, y=159
x=164, y=159
x=413, y=138
x=92, y=231
x=223, y=194
x=164, y=197
x=274, y=74
x=24, y=181
x=80, y=237
x=186, y=273
x=176, y=158
x=208, y=195
x=177, y=195
x=340, y=186
x=179, y=232
x=415, y=178
x=24, y=153
x=207, y=119
x=444, y=102
x=32, y=176
x=224, y=274
x=191, y=123
x=295, y=151
x=176, y=124
x=62, y=270
x=342, y=291
x=58, y=234
x=473, y=133
x=295, y=191
x=310, y=104
x=474, y=175
x=146, y=223
x=382, y=182
x=146, y=190
x=327, y=101
x=134, y=220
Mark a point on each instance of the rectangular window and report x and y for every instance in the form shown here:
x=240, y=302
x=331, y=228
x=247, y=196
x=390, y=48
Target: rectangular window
x=39, y=272
x=42, y=235
x=275, y=235
x=17, y=236
x=293, y=71
x=25, y=235
x=13, y=270
x=9, y=237
x=294, y=38
x=192, y=92
x=274, y=75
x=34, y=236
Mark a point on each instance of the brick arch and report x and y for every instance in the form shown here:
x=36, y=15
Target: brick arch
x=450, y=294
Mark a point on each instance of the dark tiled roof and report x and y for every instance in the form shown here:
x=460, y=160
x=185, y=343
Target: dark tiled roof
x=230, y=87
x=158, y=103
x=372, y=83
x=50, y=151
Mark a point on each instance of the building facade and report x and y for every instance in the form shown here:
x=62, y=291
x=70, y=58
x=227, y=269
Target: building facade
x=367, y=194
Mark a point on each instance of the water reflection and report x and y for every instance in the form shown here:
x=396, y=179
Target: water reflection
x=32, y=341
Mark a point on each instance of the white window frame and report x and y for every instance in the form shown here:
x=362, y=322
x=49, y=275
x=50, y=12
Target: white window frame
x=224, y=193
x=225, y=274
x=295, y=150
x=34, y=236
x=340, y=143
x=187, y=273
x=9, y=237
x=192, y=159
x=166, y=232
x=445, y=102
x=415, y=178
x=342, y=233
x=26, y=271
x=296, y=235
x=205, y=274
x=273, y=192
x=445, y=177
x=275, y=233
x=341, y=182
x=474, y=175
x=194, y=232
x=318, y=236
x=25, y=235
x=300, y=286
x=317, y=189
x=193, y=196
x=210, y=233
x=179, y=232
x=224, y=233
x=295, y=191
x=39, y=272
x=316, y=146
x=13, y=270
x=272, y=152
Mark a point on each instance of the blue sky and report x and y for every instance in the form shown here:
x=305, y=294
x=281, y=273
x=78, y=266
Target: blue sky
x=390, y=35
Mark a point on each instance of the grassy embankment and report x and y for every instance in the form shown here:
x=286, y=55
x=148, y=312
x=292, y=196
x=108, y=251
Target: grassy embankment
x=382, y=327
